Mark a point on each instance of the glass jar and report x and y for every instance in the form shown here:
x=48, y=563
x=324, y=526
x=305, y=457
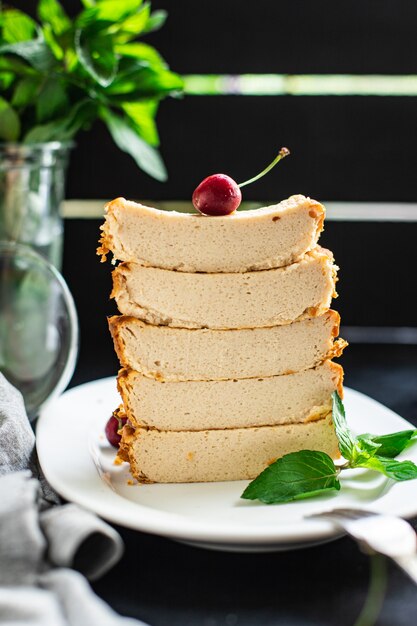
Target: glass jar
x=32, y=186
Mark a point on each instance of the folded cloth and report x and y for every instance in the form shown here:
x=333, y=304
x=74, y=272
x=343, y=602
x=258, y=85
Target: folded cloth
x=40, y=541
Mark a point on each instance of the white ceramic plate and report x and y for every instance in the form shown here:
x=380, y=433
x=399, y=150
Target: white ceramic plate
x=79, y=464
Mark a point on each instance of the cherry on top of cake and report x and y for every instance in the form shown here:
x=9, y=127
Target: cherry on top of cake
x=219, y=194
x=248, y=240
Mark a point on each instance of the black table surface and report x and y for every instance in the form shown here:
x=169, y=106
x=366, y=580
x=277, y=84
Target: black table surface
x=166, y=583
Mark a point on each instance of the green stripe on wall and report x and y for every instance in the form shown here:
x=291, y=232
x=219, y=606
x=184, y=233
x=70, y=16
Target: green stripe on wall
x=300, y=85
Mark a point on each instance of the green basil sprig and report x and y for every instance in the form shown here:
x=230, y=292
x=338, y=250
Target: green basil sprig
x=309, y=473
x=59, y=74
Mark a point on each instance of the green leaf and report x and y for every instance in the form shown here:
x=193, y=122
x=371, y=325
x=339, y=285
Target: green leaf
x=145, y=82
x=111, y=11
x=64, y=129
x=52, y=42
x=9, y=122
x=366, y=446
x=12, y=64
x=36, y=53
x=6, y=79
x=134, y=25
x=25, y=91
x=51, y=12
x=96, y=55
x=53, y=131
x=296, y=475
x=17, y=26
x=114, y=10
x=142, y=115
x=347, y=442
x=156, y=21
x=52, y=100
x=393, y=444
x=128, y=68
x=397, y=470
x=125, y=137
x=142, y=52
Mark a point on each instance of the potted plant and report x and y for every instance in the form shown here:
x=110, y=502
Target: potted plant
x=57, y=76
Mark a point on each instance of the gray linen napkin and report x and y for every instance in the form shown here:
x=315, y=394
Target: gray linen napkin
x=40, y=541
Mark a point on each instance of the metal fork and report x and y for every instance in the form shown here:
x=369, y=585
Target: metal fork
x=377, y=533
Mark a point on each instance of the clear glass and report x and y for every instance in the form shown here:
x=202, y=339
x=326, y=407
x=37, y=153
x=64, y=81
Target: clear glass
x=32, y=185
x=38, y=326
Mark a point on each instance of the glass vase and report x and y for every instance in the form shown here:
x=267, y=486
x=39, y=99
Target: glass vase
x=32, y=186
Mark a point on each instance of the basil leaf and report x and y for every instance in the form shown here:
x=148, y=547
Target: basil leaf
x=142, y=115
x=366, y=446
x=127, y=72
x=145, y=82
x=53, y=131
x=111, y=11
x=147, y=158
x=156, y=20
x=52, y=100
x=134, y=25
x=347, y=443
x=17, y=26
x=294, y=476
x=397, y=470
x=393, y=444
x=25, y=91
x=52, y=42
x=96, y=55
x=141, y=51
x=52, y=13
x=36, y=53
x=17, y=67
x=64, y=129
x=9, y=122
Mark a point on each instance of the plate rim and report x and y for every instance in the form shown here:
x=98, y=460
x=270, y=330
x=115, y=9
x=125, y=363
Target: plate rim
x=174, y=525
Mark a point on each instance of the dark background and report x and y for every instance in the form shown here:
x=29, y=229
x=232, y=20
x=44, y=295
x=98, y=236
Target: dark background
x=343, y=147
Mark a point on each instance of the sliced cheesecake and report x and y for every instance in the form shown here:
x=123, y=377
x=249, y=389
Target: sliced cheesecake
x=202, y=405
x=263, y=238
x=227, y=300
x=215, y=455
x=168, y=353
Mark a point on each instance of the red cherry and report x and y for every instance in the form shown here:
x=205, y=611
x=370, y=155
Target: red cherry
x=112, y=427
x=217, y=195
x=220, y=195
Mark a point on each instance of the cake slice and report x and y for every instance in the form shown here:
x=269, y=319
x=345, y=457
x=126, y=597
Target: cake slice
x=168, y=353
x=227, y=300
x=215, y=455
x=202, y=405
x=263, y=238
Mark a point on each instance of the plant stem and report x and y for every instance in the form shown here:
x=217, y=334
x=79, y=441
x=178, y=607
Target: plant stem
x=376, y=591
x=281, y=154
x=346, y=465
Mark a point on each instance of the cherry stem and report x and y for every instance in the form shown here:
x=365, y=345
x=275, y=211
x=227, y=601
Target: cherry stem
x=281, y=154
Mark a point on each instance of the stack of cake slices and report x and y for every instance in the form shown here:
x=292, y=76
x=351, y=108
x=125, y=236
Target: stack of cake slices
x=225, y=338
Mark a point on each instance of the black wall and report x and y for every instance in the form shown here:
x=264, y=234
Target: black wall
x=343, y=148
